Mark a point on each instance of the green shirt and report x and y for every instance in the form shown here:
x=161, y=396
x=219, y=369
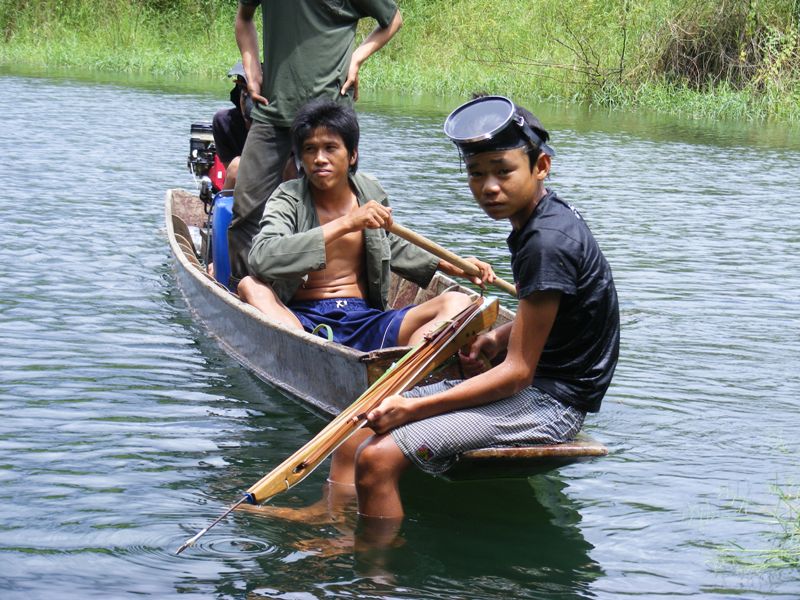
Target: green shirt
x=291, y=244
x=307, y=46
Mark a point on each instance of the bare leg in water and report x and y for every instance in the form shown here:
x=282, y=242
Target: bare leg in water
x=339, y=494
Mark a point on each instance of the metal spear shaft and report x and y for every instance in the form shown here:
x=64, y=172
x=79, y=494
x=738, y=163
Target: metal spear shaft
x=198, y=535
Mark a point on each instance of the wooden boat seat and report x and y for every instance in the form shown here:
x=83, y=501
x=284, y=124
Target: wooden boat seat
x=189, y=207
x=524, y=461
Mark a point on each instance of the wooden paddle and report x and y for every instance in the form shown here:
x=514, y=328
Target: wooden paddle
x=401, y=376
x=450, y=257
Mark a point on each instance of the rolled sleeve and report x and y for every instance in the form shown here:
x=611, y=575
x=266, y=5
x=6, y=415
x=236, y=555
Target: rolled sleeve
x=382, y=11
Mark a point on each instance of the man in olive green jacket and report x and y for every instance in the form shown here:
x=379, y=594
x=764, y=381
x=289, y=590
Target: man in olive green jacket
x=291, y=243
x=323, y=255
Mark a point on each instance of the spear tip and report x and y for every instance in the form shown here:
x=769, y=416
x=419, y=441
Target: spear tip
x=201, y=533
x=183, y=547
x=191, y=540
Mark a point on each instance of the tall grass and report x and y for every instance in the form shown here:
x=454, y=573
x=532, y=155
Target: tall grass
x=735, y=58
x=738, y=58
x=159, y=37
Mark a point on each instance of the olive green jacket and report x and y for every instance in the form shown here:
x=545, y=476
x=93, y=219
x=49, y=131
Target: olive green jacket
x=291, y=244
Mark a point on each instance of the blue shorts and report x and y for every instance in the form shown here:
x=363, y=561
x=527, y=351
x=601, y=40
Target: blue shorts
x=354, y=322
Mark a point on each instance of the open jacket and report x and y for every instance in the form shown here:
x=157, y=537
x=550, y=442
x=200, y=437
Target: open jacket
x=290, y=244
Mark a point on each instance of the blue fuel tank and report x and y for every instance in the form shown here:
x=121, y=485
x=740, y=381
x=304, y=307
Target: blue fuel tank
x=221, y=216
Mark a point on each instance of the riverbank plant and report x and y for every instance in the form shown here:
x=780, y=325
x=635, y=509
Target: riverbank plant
x=159, y=37
x=784, y=552
x=732, y=58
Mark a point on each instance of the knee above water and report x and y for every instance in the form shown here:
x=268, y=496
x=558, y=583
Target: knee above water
x=456, y=300
x=372, y=464
x=245, y=286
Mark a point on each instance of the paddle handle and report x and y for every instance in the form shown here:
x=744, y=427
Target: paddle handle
x=450, y=257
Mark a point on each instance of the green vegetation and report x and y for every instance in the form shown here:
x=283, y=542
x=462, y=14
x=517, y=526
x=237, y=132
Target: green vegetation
x=732, y=58
x=786, y=552
x=160, y=37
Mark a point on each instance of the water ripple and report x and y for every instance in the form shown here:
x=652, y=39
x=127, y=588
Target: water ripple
x=124, y=430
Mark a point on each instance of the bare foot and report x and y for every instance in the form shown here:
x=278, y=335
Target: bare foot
x=337, y=503
x=327, y=547
x=316, y=514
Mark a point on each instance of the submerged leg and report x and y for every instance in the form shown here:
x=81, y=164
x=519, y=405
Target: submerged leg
x=343, y=461
x=336, y=502
x=338, y=496
x=379, y=465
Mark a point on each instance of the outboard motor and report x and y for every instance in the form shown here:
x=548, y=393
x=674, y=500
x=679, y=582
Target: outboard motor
x=202, y=154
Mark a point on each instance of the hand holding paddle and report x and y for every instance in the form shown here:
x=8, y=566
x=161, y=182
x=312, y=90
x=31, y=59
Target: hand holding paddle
x=445, y=254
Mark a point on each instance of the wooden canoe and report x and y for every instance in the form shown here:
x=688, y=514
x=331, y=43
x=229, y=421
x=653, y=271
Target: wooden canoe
x=325, y=375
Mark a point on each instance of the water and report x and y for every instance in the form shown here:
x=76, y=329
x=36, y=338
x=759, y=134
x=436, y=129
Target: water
x=123, y=430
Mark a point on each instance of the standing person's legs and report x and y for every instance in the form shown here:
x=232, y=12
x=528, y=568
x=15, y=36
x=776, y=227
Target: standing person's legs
x=260, y=172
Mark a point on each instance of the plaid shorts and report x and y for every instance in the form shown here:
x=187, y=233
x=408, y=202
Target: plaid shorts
x=527, y=418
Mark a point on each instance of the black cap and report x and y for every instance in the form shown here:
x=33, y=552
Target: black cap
x=536, y=125
x=237, y=70
x=492, y=123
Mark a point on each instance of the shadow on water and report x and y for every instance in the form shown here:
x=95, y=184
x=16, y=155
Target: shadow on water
x=511, y=538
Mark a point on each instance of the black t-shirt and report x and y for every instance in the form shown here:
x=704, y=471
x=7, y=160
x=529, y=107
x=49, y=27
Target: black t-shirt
x=556, y=251
x=229, y=133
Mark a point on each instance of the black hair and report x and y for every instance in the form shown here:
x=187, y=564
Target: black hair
x=337, y=118
x=533, y=153
x=535, y=149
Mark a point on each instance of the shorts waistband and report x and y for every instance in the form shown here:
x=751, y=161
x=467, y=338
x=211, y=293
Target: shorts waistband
x=333, y=303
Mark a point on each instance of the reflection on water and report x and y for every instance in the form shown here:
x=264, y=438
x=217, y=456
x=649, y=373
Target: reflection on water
x=123, y=430
x=528, y=540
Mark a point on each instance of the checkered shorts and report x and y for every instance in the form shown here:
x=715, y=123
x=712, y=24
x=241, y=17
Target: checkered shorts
x=527, y=418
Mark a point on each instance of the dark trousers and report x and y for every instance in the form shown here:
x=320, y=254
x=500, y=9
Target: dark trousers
x=260, y=170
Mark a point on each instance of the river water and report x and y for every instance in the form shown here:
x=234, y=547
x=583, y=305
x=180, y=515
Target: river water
x=124, y=430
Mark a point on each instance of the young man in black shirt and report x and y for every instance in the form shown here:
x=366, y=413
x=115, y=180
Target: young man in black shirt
x=561, y=348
